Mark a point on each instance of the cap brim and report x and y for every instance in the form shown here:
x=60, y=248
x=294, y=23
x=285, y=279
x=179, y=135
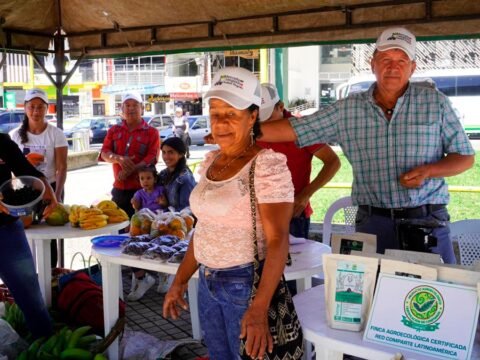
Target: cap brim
x=236, y=101
x=392, y=46
x=266, y=112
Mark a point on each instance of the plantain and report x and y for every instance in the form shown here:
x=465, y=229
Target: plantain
x=75, y=353
x=76, y=335
x=94, y=225
x=93, y=218
x=86, y=340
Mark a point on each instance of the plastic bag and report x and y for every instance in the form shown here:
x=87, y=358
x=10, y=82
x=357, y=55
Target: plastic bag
x=137, y=345
x=11, y=344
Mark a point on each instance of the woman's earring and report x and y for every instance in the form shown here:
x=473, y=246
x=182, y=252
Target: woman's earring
x=252, y=139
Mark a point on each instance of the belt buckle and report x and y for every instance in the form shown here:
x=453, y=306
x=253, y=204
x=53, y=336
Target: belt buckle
x=395, y=211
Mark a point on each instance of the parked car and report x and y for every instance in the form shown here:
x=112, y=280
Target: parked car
x=10, y=119
x=51, y=118
x=199, y=126
x=97, y=127
x=159, y=121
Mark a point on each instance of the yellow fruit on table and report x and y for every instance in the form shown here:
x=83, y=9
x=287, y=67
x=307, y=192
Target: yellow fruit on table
x=107, y=204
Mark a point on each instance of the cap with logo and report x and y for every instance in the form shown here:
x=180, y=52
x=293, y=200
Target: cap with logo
x=133, y=96
x=270, y=98
x=397, y=38
x=237, y=86
x=36, y=93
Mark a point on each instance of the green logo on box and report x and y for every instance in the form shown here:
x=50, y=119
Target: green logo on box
x=423, y=307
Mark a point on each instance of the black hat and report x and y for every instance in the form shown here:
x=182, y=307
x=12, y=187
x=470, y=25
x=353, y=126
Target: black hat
x=175, y=143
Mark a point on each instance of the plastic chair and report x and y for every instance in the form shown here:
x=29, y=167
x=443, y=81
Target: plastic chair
x=467, y=234
x=348, y=225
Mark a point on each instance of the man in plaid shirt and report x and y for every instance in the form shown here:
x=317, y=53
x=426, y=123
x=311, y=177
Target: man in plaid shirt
x=401, y=138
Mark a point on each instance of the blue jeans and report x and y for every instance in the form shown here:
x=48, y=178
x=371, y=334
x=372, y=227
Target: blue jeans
x=223, y=298
x=18, y=272
x=384, y=228
x=300, y=226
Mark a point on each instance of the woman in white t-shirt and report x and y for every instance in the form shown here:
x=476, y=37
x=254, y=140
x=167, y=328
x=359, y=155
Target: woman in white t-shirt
x=44, y=145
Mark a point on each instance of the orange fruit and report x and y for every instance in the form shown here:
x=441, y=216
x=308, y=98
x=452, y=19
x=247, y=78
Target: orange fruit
x=135, y=230
x=188, y=221
x=178, y=233
x=163, y=228
x=136, y=221
x=177, y=223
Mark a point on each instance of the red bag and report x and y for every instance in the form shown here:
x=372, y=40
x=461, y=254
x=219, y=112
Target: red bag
x=81, y=302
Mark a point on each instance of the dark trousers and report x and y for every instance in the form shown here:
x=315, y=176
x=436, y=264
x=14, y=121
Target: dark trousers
x=385, y=228
x=123, y=199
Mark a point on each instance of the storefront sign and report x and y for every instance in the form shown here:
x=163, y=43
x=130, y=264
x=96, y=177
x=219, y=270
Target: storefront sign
x=154, y=98
x=185, y=96
x=427, y=317
x=246, y=54
x=182, y=84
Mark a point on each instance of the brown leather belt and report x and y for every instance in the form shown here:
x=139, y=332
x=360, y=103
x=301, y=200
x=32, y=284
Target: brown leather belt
x=406, y=213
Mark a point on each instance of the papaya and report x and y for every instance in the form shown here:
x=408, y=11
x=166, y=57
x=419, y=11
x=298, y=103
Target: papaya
x=58, y=217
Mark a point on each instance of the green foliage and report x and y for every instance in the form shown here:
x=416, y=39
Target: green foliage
x=296, y=102
x=463, y=205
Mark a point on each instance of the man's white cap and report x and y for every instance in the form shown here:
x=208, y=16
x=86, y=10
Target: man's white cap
x=36, y=93
x=236, y=86
x=269, y=99
x=397, y=38
x=179, y=109
x=132, y=95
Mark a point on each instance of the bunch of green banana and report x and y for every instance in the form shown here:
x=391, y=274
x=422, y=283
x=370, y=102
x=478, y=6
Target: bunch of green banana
x=14, y=316
x=65, y=344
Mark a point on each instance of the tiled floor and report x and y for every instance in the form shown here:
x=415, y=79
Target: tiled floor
x=146, y=315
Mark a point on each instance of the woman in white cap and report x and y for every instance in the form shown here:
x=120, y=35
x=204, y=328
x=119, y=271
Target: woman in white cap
x=44, y=145
x=222, y=246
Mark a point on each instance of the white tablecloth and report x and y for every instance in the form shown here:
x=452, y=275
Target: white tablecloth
x=39, y=237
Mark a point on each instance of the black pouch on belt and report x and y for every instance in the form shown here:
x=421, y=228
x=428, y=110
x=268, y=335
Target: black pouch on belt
x=416, y=234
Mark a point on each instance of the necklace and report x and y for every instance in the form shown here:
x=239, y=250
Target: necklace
x=215, y=177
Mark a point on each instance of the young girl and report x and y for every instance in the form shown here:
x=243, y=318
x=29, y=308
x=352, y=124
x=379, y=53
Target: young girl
x=152, y=195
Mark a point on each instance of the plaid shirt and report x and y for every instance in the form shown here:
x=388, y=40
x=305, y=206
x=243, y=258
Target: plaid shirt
x=423, y=128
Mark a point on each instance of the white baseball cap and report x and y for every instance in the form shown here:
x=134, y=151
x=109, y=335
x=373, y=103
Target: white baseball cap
x=179, y=109
x=36, y=93
x=132, y=95
x=397, y=38
x=270, y=98
x=236, y=86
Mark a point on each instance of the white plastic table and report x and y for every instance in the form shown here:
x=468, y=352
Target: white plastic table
x=331, y=343
x=39, y=237
x=306, y=262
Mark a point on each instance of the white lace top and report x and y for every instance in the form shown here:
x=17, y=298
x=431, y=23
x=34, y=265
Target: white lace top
x=223, y=234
